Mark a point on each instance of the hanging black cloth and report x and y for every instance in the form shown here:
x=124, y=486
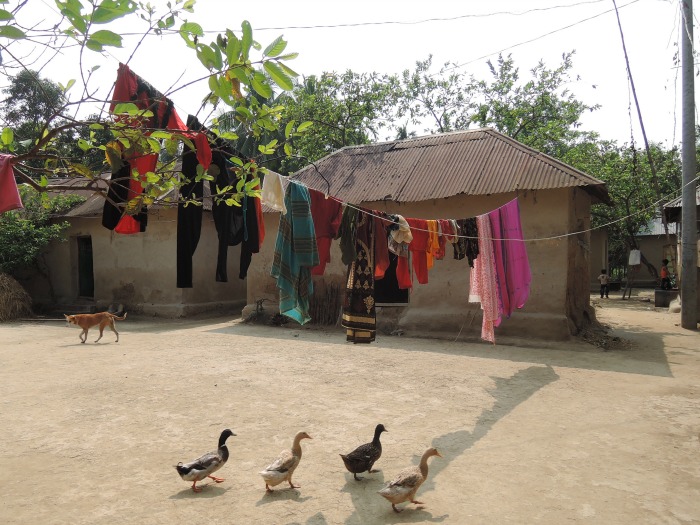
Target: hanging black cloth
x=189, y=216
x=117, y=193
x=234, y=224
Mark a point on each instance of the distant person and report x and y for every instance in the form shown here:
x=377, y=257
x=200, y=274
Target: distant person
x=604, y=280
x=665, y=276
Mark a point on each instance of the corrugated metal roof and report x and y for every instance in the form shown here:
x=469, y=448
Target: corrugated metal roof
x=674, y=209
x=656, y=227
x=474, y=162
x=678, y=203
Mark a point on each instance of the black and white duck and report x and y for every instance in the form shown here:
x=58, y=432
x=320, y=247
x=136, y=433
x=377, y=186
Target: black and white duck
x=204, y=466
x=363, y=457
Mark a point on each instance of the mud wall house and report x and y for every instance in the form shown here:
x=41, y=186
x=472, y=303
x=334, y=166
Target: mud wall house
x=598, y=257
x=452, y=176
x=97, y=267
x=654, y=244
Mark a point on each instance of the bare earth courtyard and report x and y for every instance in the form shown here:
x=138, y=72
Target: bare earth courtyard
x=529, y=432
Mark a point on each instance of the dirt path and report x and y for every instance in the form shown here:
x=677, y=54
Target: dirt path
x=536, y=433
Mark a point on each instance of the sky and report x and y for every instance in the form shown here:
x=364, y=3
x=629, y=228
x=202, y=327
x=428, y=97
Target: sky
x=389, y=36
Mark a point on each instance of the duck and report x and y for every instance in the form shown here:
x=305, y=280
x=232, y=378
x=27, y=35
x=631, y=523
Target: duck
x=205, y=465
x=405, y=485
x=363, y=457
x=282, y=468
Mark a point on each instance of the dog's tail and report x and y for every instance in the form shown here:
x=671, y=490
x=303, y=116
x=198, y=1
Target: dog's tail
x=119, y=318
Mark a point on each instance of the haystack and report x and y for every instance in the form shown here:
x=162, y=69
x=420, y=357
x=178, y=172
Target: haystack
x=14, y=300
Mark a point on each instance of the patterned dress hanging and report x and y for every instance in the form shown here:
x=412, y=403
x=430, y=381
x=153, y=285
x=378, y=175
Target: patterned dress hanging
x=359, y=315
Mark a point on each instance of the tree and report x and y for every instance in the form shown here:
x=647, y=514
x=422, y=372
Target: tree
x=85, y=27
x=442, y=101
x=541, y=113
x=345, y=110
x=628, y=175
x=25, y=233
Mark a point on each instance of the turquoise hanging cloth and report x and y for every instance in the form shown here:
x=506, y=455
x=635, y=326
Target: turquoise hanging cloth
x=296, y=253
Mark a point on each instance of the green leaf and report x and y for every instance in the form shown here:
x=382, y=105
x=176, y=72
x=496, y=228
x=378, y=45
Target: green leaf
x=288, y=149
x=276, y=47
x=206, y=56
x=190, y=28
x=126, y=107
x=288, y=56
x=12, y=32
x=5, y=15
x=72, y=9
x=233, y=48
x=278, y=76
x=110, y=10
x=8, y=136
x=152, y=178
x=260, y=85
x=288, y=129
x=70, y=84
x=304, y=125
x=93, y=45
x=244, y=112
x=247, y=39
x=189, y=5
x=159, y=134
x=229, y=135
x=237, y=161
x=288, y=70
x=83, y=144
x=107, y=38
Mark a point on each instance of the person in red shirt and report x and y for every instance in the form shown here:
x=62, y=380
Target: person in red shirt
x=665, y=276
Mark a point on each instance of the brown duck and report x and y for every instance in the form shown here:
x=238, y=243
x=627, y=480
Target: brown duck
x=405, y=485
x=363, y=457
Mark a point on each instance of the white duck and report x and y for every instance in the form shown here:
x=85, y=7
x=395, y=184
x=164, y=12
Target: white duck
x=284, y=466
x=205, y=465
x=405, y=485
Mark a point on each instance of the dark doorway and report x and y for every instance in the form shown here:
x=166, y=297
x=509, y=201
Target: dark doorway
x=386, y=290
x=86, y=279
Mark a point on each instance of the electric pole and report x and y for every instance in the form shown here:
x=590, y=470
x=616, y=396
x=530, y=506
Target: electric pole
x=689, y=233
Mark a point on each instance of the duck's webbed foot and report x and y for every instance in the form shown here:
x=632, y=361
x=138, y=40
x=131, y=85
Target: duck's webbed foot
x=218, y=480
x=395, y=509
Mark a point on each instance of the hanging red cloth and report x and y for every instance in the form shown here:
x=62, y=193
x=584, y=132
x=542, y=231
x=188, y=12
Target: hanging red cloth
x=419, y=248
x=381, y=245
x=9, y=194
x=327, y=214
x=129, y=87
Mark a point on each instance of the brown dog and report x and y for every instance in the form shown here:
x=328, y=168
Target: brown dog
x=87, y=321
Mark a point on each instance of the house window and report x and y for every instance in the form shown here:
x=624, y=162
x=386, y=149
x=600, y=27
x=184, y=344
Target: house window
x=386, y=290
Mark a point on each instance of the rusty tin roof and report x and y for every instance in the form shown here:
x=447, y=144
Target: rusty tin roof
x=473, y=162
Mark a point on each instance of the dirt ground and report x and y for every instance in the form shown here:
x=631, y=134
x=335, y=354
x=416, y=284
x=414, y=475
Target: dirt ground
x=530, y=432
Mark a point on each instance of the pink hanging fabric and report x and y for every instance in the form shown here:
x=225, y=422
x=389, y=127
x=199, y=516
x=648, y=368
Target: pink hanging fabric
x=499, y=253
x=482, y=280
x=9, y=194
x=518, y=275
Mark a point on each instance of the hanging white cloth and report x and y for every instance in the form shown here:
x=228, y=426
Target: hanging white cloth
x=272, y=193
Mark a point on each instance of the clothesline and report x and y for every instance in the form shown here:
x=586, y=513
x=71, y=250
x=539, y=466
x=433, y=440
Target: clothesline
x=537, y=239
